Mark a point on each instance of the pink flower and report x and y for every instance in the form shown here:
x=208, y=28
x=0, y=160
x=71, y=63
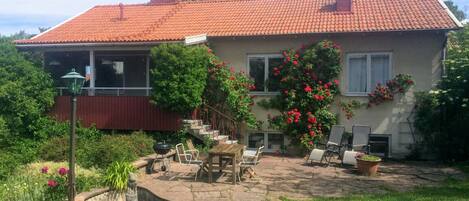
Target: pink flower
x=336, y=82
x=52, y=183
x=44, y=170
x=295, y=63
x=310, y=142
x=308, y=89
x=63, y=171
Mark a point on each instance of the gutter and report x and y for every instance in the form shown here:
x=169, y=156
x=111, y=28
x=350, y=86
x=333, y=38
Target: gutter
x=112, y=44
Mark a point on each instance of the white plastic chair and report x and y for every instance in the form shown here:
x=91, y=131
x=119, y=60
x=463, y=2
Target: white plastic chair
x=248, y=162
x=187, y=158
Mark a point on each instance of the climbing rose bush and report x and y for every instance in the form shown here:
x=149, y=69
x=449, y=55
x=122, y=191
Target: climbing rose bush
x=382, y=93
x=308, y=84
x=228, y=90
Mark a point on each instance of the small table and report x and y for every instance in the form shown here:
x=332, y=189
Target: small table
x=231, y=151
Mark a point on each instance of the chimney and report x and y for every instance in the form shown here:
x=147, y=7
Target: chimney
x=153, y=2
x=121, y=9
x=344, y=5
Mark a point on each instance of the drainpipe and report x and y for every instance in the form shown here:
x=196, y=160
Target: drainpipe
x=443, y=57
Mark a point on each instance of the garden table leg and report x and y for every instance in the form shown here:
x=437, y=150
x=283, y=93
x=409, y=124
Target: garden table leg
x=233, y=160
x=210, y=168
x=220, y=161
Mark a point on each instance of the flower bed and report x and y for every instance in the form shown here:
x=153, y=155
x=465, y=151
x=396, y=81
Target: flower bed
x=45, y=181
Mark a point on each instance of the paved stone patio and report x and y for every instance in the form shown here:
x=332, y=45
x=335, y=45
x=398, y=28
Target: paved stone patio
x=292, y=178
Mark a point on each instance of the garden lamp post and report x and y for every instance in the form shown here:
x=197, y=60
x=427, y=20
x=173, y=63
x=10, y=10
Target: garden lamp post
x=74, y=82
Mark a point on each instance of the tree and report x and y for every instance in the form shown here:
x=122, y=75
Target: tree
x=179, y=76
x=26, y=93
x=459, y=14
x=443, y=113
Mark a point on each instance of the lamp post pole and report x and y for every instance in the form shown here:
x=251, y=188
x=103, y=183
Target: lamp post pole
x=75, y=82
x=71, y=172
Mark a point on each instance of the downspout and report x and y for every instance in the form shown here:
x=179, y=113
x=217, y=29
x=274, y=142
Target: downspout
x=443, y=56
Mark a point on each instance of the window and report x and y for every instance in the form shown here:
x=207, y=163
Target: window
x=60, y=63
x=365, y=71
x=271, y=141
x=121, y=70
x=260, y=69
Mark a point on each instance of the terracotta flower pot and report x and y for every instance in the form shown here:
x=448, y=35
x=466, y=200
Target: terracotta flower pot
x=368, y=168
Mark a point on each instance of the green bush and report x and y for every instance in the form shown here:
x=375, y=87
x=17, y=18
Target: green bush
x=443, y=113
x=26, y=92
x=179, y=76
x=55, y=149
x=142, y=143
x=101, y=153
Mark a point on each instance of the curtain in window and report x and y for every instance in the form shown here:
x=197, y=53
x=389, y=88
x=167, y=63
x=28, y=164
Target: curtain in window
x=357, y=74
x=379, y=69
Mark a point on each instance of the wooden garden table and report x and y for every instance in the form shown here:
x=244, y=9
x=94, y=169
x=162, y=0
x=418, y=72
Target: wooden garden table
x=230, y=151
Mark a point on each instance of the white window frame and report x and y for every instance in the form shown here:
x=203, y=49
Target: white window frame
x=266, y=72
x=368, y=71
x=266, y=140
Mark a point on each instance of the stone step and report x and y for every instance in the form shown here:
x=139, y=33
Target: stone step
x=207, y=127
x=192, y=122
x=223, y=138
x=231, y=142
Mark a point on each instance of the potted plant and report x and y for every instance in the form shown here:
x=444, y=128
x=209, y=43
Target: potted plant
x=367, y=164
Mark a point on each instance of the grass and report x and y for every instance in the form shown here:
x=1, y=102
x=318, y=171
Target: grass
x=447, y=191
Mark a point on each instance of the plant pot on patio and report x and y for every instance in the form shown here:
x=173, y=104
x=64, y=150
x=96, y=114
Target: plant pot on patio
x=367, y=165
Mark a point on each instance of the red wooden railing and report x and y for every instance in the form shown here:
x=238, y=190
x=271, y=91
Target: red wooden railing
x=118, y=113
x=219, y=121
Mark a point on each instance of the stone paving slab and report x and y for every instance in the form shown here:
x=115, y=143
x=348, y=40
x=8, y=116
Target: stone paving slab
x=291, y=177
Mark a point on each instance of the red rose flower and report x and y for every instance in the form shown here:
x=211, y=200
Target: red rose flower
x=63, y=171
x=44, y=170
x=312, y=133
x=308, y=89
x=295, y=63
x=312, y=120
x=52, y=183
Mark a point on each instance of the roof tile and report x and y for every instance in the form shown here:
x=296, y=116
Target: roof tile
x=218, y=18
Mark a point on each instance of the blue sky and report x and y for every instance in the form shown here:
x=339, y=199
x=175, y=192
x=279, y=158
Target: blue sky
x=28, y=15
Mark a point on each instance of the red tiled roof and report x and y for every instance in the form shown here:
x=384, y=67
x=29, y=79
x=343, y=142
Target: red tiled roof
x=217, y=18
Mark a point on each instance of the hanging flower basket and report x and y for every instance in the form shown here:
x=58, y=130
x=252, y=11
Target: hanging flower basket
x=367, y=165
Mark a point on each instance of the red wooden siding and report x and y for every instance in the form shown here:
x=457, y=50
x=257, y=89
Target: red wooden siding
x=118, y=113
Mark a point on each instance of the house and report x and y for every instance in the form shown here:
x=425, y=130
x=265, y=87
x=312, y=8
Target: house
x=379, y=39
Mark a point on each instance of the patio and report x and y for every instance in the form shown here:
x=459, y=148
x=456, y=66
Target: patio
x=290, y=177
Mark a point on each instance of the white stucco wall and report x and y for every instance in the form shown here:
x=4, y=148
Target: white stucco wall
x=415, y=53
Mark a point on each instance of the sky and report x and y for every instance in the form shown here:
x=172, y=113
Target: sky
x=28, y=15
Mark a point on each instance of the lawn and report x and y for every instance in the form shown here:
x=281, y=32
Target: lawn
x=449, y=190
